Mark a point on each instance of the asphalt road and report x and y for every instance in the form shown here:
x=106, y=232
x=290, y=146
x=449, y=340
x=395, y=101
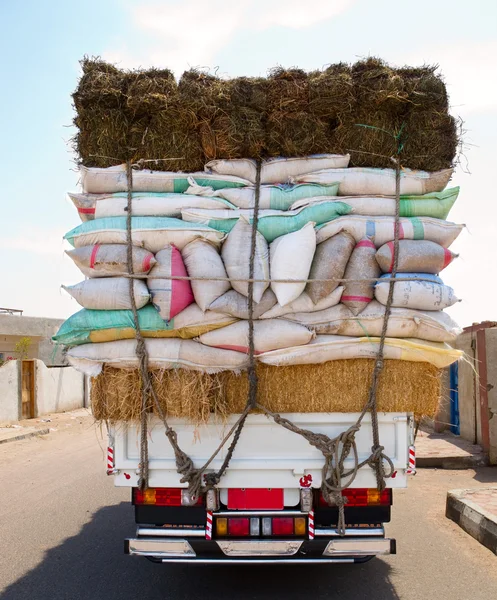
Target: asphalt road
x=62, y=524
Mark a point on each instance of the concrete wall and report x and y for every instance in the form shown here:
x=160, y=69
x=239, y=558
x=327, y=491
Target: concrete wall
x=40, y=330
x=470, y=384
x=10, y=391
x=491, y=335
x=469, y=409
x=58, y=389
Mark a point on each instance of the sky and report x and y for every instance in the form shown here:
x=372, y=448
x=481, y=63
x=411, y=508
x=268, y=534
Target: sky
x=42, y=42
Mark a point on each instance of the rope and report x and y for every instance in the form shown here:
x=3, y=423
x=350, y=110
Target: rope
x=335, y=450
x=252, y=375
x=253, y=280
x=140, y=343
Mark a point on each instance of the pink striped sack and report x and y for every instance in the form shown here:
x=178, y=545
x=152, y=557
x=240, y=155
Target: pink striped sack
x=169, y=296
x=362, y=265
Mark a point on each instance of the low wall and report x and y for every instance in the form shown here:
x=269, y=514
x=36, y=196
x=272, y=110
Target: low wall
x=58, y=389
x=9, y=391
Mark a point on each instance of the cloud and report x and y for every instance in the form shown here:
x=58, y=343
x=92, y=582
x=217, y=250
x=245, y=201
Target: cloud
x=182, y=34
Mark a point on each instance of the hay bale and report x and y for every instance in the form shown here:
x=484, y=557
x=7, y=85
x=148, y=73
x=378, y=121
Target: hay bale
x=296, y=134
x=336, y=386
x=287, y=90
x=368, y=137
x=235, y=134
x=331, y=93
x=146, y=115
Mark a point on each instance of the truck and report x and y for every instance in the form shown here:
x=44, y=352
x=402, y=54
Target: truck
x=268, y=507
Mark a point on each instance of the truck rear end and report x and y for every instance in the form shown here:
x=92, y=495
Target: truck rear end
x=269, y=506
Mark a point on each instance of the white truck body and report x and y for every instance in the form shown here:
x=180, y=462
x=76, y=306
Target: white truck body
x=266, y=456
x=268, y=461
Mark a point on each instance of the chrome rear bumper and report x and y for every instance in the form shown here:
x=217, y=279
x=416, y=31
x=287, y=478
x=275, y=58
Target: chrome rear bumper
x=357, y=545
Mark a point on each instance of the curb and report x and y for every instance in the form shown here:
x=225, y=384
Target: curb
x=476, y=521
x=24, y=436
x=451, y=462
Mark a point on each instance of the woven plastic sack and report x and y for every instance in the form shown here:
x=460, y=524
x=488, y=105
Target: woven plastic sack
x=151, y=233
x=110, y=260
x=203, y=260
x=291, y=258
x=362, y=265
x=272, y=223
x=235, y=304
x=162, y=354
x=433, y=326
x=335, y=347
x=417, y=293
x=277, y=170
x=364, y=181
x=330, y=260
x=381, y=230
x=268, y=335
x=276, y=197
x=435, y=204
x=110, y=325
x=415, y=256
x=169, y=296
x=108, y=293
x=303, y=304
x=236, y=257
x=113, y=179
x=99, y=206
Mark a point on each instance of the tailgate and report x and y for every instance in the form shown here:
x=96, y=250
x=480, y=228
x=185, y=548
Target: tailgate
x=266, y=456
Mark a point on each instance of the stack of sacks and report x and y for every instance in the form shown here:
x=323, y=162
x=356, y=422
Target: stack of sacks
x=318, y=220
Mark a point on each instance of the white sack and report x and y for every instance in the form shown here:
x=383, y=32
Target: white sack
x=108, y=293
x=236, y=257
x=163, y=354
x=277, y=170
x=415, y=294
x=364, y=181
x=203, y=260
x=235, y=304
x=381, y=230
x=304, y=304
x=335, y=347
x=433, y=326
x=291, y=258
x=268, y=335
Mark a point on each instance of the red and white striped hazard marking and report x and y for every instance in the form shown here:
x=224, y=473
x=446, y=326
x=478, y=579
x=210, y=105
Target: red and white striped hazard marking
x=208, y=526
x=110, y=459
x=311, y=524
x=411, y=469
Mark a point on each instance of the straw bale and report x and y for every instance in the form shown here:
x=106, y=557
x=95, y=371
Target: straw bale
x=336, y=386
x=235, y=134
x=296, y=134
x=145, y=115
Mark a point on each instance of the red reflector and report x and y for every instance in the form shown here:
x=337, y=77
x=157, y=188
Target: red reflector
x=162, y=497
x=363, y=497
x=282, y=526
x=255, y=499
x=168, y=497
x=238, y=527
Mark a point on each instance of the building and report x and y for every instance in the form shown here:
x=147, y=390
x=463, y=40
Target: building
x=14, y=326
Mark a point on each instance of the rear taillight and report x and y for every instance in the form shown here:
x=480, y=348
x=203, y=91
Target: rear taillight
x=239, y=527
x=255, y=526
x=164, y=497
x=363, y=497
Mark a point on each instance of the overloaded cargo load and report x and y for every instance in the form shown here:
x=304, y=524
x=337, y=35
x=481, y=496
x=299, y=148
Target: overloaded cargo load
x=263, y=313
x=325, y=240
